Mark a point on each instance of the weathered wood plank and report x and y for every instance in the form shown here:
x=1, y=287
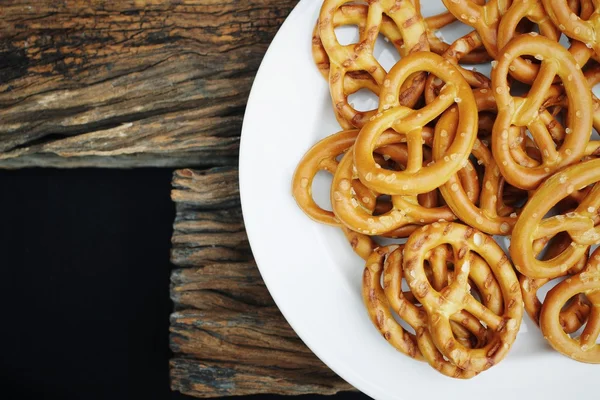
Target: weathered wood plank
x=231, y=379
x=128, y=83
x=227, y=334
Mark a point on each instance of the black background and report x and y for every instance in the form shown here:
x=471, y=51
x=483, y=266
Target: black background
x=84, y=284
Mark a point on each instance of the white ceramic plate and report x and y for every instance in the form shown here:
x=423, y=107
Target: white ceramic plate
x=310, y=269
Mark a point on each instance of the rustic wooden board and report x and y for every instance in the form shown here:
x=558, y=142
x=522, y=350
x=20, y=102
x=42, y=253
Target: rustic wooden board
x=227, y=334
x=128, y=83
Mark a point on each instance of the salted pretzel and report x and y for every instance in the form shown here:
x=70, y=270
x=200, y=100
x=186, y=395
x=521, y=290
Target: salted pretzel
x=487, y=289
x=583, y=348
x=524, y=111
x=467, y=243
x=491, y=215
x=380, y=301
x=358, y=57
x=579, y=27
x=580, y=223
x=416, y=178
x=523, y=69
x=575, y=314
x=323, y=157
x=405, y=210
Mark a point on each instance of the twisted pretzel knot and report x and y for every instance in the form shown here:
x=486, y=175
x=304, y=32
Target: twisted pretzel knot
x=356, y=15
x=580, y=224
x=379, y=301
x=358, y=57
x=415, y=178
x=524, y=112
x=405, y=209
x=583, y=348
x=467, y=244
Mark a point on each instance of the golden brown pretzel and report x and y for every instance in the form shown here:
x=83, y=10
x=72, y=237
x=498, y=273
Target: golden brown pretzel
x=532, y=224
x=572, y=317
x=581, y=28
x=379, y=301
x=439, y=305
x=584, y=348
x=379, y=307
x=405, y=209
x=358, y=57
x=522, y=69
x=417, y=178
x=525, y=111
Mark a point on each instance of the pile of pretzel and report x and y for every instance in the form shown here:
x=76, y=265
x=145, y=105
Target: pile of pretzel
x=451, y=157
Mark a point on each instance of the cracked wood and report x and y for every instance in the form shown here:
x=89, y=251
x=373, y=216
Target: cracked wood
x=227, y=334
x=128, y=83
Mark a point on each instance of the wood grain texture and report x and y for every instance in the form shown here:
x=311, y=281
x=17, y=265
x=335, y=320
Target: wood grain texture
x=228, y=336
x=128, y=83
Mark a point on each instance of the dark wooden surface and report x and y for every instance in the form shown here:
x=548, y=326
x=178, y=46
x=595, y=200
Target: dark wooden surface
x=128, y=83
x=227, y=334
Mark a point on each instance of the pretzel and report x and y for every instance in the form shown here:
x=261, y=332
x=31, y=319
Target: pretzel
x=439, y=305
x=379, y=301
x=492, y=216
x=584, y=348
x=441, y=278
x=405, y=210
x=358, y=57
x=572, y=317
x=580, y=223
x=581, y=28
x=524, y=111
x=415, y=178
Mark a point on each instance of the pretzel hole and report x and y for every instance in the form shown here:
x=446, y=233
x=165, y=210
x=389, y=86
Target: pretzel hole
x=580, y=317
x=363, y=100
x=514, y=197
x=564, y=41
x=453, y=31
x=485, y=124
x=403, y=323
x=347, y=34
x=385, y=52
x=543, y=291
x=321, y=187
x=519, y=89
